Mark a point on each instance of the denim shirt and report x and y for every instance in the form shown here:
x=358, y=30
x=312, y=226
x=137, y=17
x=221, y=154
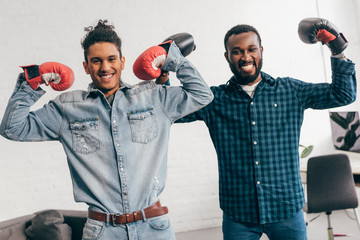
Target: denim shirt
x=257, y=140
x=116, y=154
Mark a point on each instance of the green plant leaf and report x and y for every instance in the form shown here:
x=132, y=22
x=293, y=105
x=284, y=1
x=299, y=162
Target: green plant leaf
x=349, y=140
x=355, y=126
x=350, y=116
x=306, y=152
x=339, y=120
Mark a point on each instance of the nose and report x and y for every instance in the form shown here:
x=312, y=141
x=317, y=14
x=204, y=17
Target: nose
x=246, y=56
x=105, y=66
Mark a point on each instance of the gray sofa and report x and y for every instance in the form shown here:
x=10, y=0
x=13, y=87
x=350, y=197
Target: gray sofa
x=45, y=225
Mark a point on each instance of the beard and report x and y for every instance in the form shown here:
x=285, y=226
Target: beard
x=245, y=80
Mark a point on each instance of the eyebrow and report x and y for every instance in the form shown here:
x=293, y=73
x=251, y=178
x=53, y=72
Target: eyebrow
x=99, y=58
x=95, y=58
x=250, y=46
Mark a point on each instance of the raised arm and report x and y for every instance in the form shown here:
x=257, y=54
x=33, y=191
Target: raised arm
x=18, y=123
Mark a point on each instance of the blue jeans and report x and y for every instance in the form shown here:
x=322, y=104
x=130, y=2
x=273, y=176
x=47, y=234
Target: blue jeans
x=156, y=228
x=290, y=229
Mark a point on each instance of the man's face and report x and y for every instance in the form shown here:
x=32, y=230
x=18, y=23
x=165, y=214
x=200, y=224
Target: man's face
x=104, y=66
x=244, y=55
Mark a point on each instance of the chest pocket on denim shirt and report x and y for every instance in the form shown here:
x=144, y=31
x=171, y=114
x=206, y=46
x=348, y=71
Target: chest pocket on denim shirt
x=85, y=135
x=143, y=125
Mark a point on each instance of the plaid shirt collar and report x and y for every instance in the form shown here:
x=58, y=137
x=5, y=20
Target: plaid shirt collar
x=232, y=86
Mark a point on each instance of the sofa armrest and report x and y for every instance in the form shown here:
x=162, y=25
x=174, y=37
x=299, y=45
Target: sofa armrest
x=14, y=229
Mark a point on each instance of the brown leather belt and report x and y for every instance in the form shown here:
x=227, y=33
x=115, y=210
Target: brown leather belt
x=117, y=219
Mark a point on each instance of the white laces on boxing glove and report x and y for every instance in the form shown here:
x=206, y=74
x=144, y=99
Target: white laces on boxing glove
x=51, y=77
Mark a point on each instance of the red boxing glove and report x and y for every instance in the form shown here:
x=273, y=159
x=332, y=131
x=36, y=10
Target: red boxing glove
x=147, y=65
x=59, y=76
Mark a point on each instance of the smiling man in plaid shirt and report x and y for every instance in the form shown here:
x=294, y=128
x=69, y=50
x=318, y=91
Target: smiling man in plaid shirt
x=254, y=122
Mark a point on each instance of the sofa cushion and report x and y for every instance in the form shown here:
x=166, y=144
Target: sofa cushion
x=47, y=225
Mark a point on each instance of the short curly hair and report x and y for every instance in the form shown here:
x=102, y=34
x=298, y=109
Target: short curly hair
x=102, y=32
x=241, y=28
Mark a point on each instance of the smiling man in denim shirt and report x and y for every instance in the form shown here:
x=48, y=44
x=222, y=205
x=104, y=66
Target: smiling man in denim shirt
x=115, y=136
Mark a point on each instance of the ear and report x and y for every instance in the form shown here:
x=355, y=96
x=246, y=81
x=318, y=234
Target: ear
x=226, y=56
x=122, y=62
x=85, y=65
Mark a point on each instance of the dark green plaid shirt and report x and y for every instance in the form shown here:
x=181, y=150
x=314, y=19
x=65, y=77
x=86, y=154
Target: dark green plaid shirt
x=257, y=140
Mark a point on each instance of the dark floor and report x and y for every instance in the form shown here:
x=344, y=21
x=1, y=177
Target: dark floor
x=343, y=222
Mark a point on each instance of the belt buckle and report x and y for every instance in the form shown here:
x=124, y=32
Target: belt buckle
x=113, y=219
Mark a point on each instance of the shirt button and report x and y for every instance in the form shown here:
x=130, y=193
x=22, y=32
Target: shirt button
x=253, y=123
x=257, y=163
x=275, y=105
x=255, y=142
x=258, y=182
x=121, y=169
x=252, y=103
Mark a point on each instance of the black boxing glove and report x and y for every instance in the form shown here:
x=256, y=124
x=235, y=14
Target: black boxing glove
x=184, y=41
x=186, y=44
x=313, y=30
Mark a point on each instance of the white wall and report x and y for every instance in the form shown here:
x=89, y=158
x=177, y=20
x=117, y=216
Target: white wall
x=316, y=128
x=34, y=176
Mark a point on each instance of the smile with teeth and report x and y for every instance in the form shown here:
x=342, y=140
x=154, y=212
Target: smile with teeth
x=106, y=76
x=247, y=68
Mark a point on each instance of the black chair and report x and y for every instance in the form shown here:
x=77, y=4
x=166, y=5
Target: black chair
x=330, y=186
